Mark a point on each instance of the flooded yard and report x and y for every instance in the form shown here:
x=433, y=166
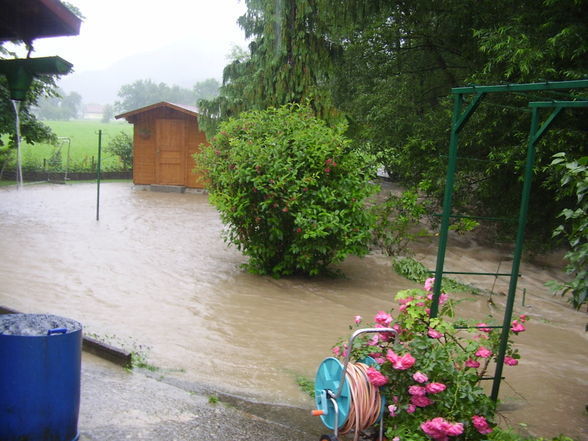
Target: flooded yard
x=154, y=272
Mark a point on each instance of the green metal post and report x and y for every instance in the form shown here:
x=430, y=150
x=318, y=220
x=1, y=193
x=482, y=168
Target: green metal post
x=524, y=209
x=458, y=120
x=444, y=229
x=98, y=175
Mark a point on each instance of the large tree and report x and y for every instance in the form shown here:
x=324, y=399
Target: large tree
x=206, y=89
x=400, y=63
x=289, y=61
x=62, y=106
x=142, y=93
x=389, y=67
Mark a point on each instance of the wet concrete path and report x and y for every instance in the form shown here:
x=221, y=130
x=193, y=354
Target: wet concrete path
x=118, y=405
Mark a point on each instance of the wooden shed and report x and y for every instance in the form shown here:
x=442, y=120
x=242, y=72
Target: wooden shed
x=165, y=137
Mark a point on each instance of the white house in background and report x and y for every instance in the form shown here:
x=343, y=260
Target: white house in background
x=93, y=111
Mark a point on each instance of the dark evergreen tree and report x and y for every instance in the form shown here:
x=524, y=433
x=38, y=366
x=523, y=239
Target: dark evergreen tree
x=290, y=60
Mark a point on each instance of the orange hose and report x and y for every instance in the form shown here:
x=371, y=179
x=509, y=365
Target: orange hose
x=365, y=402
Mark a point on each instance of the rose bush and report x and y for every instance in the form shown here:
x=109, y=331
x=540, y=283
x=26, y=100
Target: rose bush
x=430, y=373
x=290, y=190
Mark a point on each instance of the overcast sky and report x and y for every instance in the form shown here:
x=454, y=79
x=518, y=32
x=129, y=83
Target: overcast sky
x=115, y=29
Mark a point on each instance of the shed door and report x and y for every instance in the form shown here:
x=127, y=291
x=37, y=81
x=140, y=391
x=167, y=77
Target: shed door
x=170, y=161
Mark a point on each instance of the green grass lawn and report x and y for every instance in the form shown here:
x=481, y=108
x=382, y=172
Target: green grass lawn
x=83, y=150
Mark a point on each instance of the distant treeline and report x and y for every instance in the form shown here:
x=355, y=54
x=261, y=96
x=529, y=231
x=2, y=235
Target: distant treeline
x=58, y=105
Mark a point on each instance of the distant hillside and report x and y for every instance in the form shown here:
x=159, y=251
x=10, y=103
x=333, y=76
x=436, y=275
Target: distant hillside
x=183, y=64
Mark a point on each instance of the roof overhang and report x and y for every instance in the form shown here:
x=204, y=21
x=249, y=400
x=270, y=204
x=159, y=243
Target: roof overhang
x=188, y=110
x=26, y=20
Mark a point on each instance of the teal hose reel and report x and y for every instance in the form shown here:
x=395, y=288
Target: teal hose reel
x=333, y=411
x=333, y=394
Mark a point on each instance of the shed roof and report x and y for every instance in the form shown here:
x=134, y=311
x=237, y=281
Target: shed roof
x=188, y=110
x=29, y=19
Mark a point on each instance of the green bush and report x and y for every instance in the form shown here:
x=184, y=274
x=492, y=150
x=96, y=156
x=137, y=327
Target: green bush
x=290, y=190
x=122, y=147
x=397, y=222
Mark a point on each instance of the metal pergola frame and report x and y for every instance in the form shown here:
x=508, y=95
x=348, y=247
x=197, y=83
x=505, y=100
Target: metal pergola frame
x=460, y=117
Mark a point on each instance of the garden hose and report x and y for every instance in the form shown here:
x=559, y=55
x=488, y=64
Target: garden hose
x=366, y=403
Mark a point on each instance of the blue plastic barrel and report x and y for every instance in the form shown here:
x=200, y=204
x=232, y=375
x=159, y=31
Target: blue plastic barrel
x=40, y=368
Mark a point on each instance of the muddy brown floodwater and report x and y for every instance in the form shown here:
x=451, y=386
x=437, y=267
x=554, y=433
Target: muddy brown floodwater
x=154, y=271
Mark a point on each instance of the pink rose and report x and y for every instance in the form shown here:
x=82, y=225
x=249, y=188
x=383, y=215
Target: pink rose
x=376, y=377
x=433, y=333
x=392, y=356
x=336, y=350
x=417, y=390
x=406, y=300
x=455, y=429
x=472, y=363
x=429, y=283
x=517, y=327
x=393, y=410
x=357, y=319
x=374, y=340
x=434, y=429
x=483, y=327
x=510, y=361
x=411, y=408
x=383, y=318
x=420, y=401
x=435, y=388
x=384, y=336
x=419, y=377
x=442, y=298
x=401, y=363
x=440, y=429
x=406, y=361
x=481, y=424
x=483, y=352
x=523, y=318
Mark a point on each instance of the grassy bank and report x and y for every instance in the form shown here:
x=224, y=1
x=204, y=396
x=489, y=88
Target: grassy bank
x=83, y=147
